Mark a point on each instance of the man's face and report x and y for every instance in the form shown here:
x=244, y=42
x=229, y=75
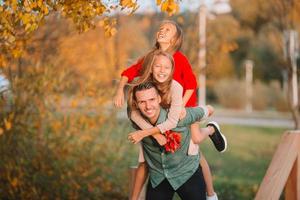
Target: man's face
x=148, y=103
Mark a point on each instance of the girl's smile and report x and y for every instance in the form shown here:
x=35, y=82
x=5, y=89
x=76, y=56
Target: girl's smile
x=162, y=68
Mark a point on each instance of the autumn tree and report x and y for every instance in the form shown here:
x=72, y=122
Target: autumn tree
x=56, y=141
x=269, y=20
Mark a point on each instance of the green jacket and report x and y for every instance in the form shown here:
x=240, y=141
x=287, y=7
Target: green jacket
x=177, y=167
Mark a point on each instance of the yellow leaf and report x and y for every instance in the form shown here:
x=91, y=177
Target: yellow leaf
x=14, y=182
x=113, y=31
x=101, y=23
x=164, y=6
x=158, y=2
x=74, y=103
x=40, y=3
x=45, y=10
x=1, y=131
x=7, y=124
x=33, y=4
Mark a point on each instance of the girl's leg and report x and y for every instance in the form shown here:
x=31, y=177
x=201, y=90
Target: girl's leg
x=213, y=131
x=198, y=135
x=140, y=178
x=207, y=176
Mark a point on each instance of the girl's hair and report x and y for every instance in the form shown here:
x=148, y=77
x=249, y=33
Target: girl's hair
x=178, y=38
x=164, y=89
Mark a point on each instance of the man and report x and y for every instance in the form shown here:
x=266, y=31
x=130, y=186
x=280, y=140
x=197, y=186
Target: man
x=168, y=172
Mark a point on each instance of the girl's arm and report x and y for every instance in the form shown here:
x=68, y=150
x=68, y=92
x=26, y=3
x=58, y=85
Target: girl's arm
x=127, y=76
x=175, y=108
x=187, y=95
x=119, y=97
x=189, y=78
x=147, y=129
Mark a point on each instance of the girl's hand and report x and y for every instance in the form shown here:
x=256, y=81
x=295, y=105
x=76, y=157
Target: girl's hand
x=119, y=99
x=136, y=136
x=160, y=138
x=182, y=114
x=210, y=110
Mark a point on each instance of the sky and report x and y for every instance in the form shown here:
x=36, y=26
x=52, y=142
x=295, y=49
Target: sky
x=4, y=84
x=150, y=5
x=222, y=6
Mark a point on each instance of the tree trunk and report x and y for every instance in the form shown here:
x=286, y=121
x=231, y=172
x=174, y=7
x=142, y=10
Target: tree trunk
x=294, y=108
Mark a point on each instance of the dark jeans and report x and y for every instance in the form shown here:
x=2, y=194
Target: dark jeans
x=193, y=189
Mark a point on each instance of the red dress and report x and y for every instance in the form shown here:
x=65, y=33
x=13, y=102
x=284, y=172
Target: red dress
x=183, y=74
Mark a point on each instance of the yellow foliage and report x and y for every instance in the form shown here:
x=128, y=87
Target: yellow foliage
x=170, y=7
x=56, y=126
x=128, y=3
x=7, y=124
x=228, y=47
x=16, y=53
x=86, y=138
x=14, y=182
x=108, y=25
x=1, y=131
x=74, y=103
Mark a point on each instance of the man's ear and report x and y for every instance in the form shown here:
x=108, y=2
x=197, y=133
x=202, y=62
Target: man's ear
x=159, y=98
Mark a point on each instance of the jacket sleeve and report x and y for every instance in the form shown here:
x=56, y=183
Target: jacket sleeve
x=192, y=115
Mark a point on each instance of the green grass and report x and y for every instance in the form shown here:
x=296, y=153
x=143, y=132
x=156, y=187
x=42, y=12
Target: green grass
x=96, y=166
x=238, y=172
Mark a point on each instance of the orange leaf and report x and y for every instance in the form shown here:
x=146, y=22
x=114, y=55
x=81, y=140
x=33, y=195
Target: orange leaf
x=14, y=182
x=7, y=124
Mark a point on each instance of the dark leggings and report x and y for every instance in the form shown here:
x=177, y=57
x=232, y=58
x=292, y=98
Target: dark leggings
x=193, y=189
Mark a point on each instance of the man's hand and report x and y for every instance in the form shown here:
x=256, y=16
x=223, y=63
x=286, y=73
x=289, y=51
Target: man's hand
x=136, y=136
x=119, y=99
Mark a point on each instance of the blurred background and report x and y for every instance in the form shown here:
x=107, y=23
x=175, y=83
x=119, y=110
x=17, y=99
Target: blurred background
x=61, y=137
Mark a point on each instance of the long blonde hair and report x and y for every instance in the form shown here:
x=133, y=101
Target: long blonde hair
x=164, y=89
x=178, y=38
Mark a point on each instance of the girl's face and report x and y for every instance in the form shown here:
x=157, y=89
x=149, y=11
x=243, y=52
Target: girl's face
x=166, y=33
x=161, y=69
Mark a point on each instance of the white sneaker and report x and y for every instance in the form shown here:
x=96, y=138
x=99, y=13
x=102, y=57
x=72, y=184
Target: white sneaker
x=213, y=197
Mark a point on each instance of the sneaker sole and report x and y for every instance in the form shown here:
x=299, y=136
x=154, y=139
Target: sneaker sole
x=215, y=124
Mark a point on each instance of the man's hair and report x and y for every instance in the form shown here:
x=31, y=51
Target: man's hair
x=143, y=86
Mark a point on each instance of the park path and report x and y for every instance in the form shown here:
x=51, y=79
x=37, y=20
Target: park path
x=254, y=121
x=233, y=117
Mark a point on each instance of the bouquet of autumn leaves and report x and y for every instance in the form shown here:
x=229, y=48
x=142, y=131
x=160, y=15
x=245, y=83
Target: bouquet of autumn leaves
x=173, y=141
